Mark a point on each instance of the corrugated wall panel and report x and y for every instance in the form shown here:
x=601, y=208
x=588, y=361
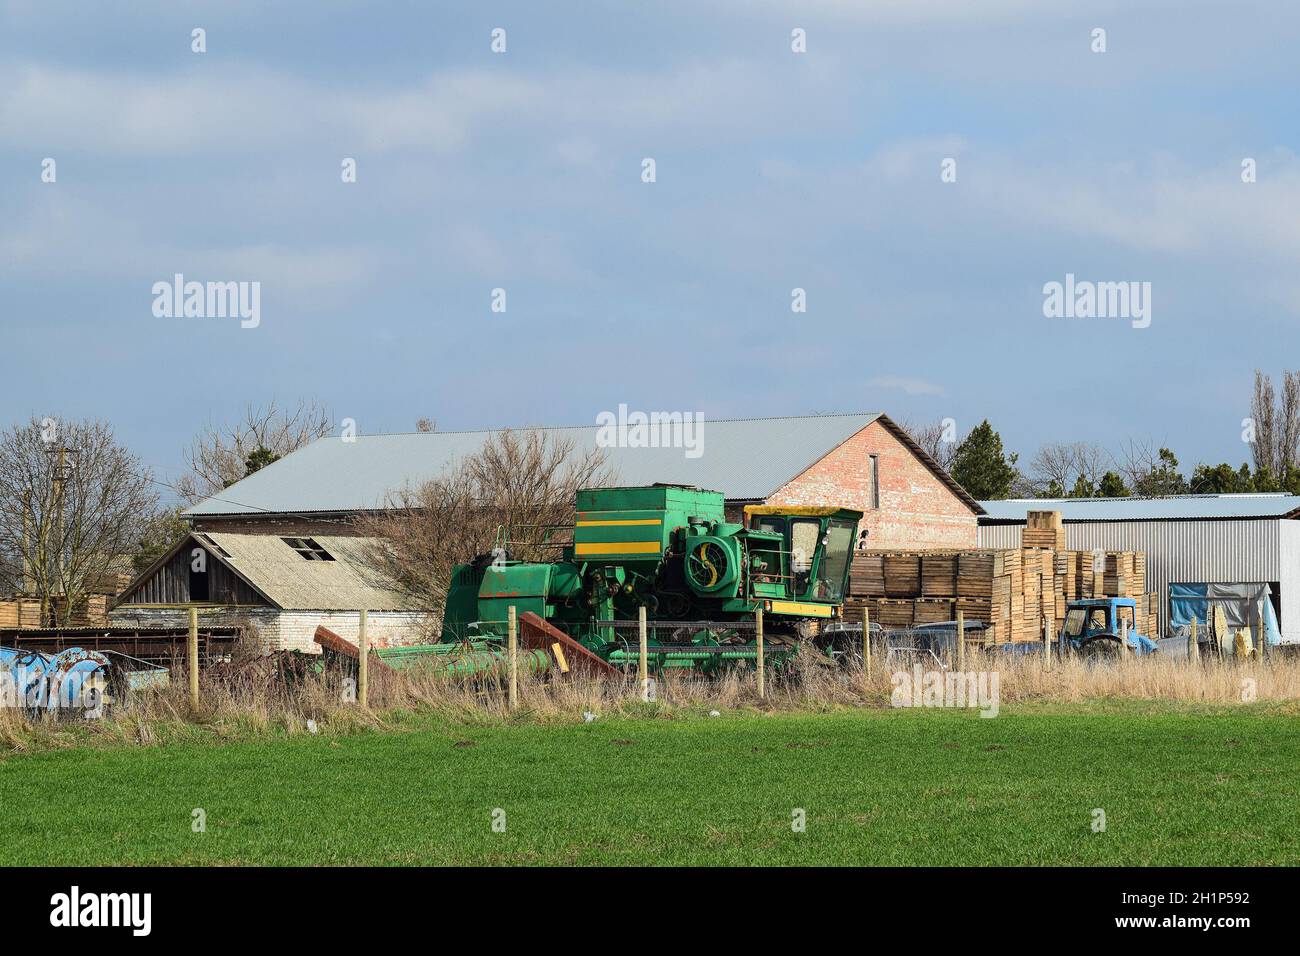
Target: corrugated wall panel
x=1289, y=577
x=1217, y=552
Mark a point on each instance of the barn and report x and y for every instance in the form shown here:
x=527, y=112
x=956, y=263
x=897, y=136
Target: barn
x=1239, y=550
x=278, y=588
x=863, y=461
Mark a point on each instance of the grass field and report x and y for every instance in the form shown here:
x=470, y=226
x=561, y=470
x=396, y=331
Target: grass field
x=877, y=787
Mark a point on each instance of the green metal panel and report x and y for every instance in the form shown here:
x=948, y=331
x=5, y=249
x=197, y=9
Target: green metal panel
x=636, y=524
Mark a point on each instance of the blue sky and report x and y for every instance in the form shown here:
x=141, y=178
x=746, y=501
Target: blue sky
x=775, y=170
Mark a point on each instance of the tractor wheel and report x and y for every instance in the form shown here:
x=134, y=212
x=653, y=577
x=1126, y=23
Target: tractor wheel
x=1101, y=650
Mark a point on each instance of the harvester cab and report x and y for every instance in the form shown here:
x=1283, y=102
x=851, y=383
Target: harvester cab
x=1100, y=627
x=819, y=542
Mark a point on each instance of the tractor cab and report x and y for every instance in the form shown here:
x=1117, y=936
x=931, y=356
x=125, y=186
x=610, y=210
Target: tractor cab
x=1100, y=626
x=817, y=543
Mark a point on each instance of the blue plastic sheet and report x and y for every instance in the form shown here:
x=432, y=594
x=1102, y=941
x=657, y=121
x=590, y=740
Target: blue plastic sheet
x=1244, y=606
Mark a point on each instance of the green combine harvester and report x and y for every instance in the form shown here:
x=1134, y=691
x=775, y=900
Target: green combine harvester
x=671, y=550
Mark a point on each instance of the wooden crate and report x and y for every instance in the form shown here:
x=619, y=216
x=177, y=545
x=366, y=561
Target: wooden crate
x=939, y=575
x=867, y=575
x=902, y=575
x=894, y=613
x=932, y=610
x=975, y=609
x=853, y=608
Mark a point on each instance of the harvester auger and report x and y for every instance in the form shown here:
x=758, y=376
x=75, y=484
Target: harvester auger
x=671, y=550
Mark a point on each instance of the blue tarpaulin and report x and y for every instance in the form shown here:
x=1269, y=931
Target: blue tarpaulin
x=1244, y=606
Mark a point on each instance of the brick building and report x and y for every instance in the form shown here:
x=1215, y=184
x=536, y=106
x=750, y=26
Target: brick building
x=863, y=461
x=907, y=500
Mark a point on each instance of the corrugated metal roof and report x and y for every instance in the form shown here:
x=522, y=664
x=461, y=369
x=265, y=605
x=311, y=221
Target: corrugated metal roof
x=297, y=584
x=1173, y=508
x=743, y=458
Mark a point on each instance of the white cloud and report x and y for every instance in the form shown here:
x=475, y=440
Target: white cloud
x=64, y=237
x=253, y=111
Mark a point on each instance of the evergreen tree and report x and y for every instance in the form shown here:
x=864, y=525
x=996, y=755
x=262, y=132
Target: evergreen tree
x=1162, y=479
x=1082, y=488
x=259, y=459
x=1112, y=486
x=981, y=467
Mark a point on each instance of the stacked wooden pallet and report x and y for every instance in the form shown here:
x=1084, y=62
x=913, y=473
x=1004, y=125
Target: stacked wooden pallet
x=1012, y=591
x=20, y=612
x=1044, y=529
x=25, y=612
x=1149, y=614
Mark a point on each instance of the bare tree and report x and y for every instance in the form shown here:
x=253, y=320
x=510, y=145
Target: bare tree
x=517, y=491
x=74, y=505
x=1061, y=466
x=936, y=439
x=1261, y=411
x=426, y=425
x=1288, y=422
x=1136, y=462
x=219, y=456
x=1091, y=462
x=1277, y=423
x=1053, y=467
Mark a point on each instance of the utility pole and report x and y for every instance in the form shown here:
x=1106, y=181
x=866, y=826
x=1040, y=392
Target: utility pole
x=29, y=564
x=59, y=476
x=48, y=561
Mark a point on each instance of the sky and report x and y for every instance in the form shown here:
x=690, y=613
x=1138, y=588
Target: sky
x=774, y=170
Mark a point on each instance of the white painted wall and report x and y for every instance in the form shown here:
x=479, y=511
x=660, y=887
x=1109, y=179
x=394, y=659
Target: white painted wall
x=290, y=630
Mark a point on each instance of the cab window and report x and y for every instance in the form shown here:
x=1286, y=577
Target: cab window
x=839, y=545
x=803, y=547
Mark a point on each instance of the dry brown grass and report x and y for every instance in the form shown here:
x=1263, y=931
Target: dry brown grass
x=242, y=707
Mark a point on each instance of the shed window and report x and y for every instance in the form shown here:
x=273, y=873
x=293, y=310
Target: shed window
x=308, y=549
x=875, y=481
x=214, y=546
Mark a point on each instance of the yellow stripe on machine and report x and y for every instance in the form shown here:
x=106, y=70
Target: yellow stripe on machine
x=622, y=523
x=801, y=607
x=616, y=547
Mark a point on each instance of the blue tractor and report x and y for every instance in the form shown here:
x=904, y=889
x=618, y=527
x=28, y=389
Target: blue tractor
x=1102, y=627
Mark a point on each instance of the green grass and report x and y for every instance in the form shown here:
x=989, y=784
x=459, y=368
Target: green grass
x=878, y=787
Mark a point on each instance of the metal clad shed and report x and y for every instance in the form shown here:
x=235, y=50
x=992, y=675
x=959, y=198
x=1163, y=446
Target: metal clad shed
x=1213, y=539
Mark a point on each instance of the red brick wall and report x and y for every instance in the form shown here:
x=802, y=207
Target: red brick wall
x=917, y=510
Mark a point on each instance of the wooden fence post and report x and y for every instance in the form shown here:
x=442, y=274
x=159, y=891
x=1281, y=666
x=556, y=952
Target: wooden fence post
x=866, y=641
x=363, y=662
x=1193, y=644
x=512, y=644
x=1047, y=643
x=643, y=668
x=758, y=635
x=193, y=648
x=961, y=641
